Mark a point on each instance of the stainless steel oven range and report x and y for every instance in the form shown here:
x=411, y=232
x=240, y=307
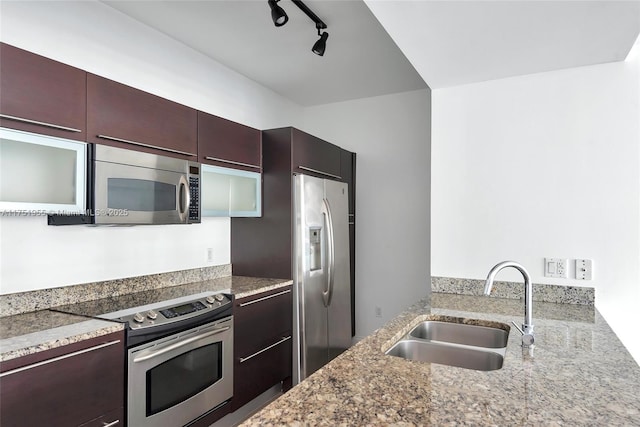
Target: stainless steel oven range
x=180, y=359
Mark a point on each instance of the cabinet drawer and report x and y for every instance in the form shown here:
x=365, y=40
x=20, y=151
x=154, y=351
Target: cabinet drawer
x=254, y=375
x=67, y=389
x=262, y=319
x=126, y=117
x=41, y=95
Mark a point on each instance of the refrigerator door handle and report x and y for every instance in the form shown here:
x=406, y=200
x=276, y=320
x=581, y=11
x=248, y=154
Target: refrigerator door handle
x=325, y=222
x=327, y=295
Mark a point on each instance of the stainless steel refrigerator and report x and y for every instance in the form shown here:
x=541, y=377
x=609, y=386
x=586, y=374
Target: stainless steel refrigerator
x=321, y=276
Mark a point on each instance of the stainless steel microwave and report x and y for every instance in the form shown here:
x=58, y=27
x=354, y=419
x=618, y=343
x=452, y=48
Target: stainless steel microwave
x=130, y=187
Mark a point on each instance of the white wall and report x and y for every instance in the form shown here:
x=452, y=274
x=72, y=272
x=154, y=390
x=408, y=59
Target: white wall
x=543, y=165
x=391, y=136
x=101, y=40
x=37, y=256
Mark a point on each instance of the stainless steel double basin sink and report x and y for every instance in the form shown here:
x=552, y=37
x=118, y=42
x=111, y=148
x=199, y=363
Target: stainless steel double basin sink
x=463, y=345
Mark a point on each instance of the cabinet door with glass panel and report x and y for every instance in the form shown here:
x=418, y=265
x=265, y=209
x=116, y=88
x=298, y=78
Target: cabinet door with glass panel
x=41, y=173
x=230, y=192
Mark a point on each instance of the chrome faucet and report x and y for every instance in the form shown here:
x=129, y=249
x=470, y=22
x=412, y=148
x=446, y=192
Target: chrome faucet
x=527, y=326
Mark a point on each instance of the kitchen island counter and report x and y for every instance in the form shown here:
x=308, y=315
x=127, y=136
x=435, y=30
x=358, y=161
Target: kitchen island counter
x=579, y=374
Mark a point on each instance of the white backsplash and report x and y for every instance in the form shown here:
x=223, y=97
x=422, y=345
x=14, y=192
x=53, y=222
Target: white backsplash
x=34, y=255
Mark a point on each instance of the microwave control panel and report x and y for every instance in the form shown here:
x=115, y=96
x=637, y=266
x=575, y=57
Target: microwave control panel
x=194, y=193
x=194, y=188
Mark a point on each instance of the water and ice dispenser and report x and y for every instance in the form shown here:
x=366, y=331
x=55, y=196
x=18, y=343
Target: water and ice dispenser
x=315, y=248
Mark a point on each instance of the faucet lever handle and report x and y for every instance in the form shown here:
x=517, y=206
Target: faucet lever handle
x=527, y=337
x=517, y=327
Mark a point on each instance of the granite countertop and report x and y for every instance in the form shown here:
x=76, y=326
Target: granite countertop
x=33, y=332
x=239, y=286
x=579, y=374
x=30, y=333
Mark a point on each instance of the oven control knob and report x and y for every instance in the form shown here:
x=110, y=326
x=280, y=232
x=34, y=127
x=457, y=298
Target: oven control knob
x=219, y=297
x=139, y=318
x=152, y=314
x=211, y=299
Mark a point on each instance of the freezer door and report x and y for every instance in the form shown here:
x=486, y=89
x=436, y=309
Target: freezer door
x=310, y=276
x=339, y=310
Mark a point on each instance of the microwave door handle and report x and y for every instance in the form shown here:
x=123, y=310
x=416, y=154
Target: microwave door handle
x=184, y=198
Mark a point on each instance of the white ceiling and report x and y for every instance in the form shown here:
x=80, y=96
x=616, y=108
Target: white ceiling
x=360, y=60
x=452, y=43
x=448, y=42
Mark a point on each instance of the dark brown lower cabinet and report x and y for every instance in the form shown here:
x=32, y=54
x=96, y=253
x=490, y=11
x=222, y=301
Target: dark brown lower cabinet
x=80, y=384
x=262, y=344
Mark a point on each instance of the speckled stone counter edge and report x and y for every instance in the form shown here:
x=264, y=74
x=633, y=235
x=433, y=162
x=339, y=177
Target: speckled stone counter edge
x=25, y=302
x=261, y=287
x=514, y=290
x=55, y=337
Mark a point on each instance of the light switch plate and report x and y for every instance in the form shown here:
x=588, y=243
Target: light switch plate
x=555, y=267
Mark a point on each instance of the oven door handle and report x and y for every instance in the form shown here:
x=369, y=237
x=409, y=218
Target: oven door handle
x=179, y=344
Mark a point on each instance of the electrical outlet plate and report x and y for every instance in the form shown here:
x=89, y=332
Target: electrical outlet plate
x=584, y=269
x=209, y=254
x=555, y=267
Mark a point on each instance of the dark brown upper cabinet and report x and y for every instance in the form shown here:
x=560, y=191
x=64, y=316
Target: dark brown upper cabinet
x=314, y=156
x=126, y=117
x=348, y=174
x=225, y=143
x=40, y=95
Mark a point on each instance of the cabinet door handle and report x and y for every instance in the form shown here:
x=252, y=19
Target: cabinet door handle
x=141, y=144
x=244, y=304
x=111, y=424
x=35, y=122
x=320, y=172
x=244, y=359
x=55, y=359
x=231, y=162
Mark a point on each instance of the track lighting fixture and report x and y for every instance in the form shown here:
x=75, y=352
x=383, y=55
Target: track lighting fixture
x=280, y=18
x=278, y=14
x=319, y=46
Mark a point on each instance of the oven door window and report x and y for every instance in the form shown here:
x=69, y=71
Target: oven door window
x=182, y=377
x=140, y=195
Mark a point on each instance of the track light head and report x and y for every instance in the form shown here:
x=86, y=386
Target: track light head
x=279, y=17
x=278, y=14
x=319, y=46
